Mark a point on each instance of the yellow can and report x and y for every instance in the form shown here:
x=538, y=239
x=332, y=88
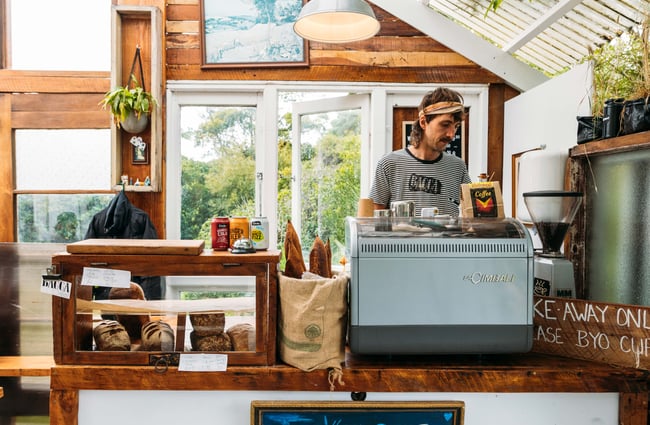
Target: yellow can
x=239, y=228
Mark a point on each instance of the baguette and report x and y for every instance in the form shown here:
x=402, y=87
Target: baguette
x=295, y=263
x=318, y=259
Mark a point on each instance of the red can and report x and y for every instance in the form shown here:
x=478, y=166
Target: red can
x=220, y=233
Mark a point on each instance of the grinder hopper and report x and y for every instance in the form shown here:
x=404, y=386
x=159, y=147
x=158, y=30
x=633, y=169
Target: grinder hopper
x=552, y=213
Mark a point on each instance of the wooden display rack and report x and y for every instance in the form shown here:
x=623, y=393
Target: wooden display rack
x=73, y=318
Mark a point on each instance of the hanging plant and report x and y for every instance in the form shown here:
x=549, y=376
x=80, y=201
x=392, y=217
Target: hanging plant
x=130, y=104
x=124, y=101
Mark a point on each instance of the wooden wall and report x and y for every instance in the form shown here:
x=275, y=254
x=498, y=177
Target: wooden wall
x=397, y=54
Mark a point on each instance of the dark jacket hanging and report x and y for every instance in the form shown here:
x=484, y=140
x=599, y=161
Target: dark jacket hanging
x=122, y=220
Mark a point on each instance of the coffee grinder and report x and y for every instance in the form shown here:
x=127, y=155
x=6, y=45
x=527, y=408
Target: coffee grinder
x=552, y=212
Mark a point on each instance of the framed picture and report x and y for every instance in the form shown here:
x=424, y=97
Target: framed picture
x=240, y=33
x=139, y=153
x=364, y=412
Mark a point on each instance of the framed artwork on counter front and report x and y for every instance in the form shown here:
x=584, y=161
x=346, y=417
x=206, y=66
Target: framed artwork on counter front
x=352, y=412
x=243, y=33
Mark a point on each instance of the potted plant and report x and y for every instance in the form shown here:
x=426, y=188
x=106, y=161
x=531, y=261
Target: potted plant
x=616, y=76
x=130, y=107
x=636, y=111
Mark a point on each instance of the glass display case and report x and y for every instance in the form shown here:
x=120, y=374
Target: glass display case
x=149, y=302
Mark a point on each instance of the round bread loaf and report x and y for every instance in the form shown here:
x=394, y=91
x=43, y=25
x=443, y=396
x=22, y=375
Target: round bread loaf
x=132, y=323
x=157, y=336
x=220, y=342
x=242, y=336
x=206, y=324
x=110, y=335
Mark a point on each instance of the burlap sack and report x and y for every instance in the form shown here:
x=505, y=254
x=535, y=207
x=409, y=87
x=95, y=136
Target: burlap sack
x=313, y=322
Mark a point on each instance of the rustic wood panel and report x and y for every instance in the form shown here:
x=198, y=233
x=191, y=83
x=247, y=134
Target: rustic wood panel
x=53, y=82
x=496, y=100
x=64, y=407
x=444, y=75
x=6, y=171
x=63, y=102
x=387, y=59
x=58, y=111
x=633, y=409
x=503, y=373
x=60, y=120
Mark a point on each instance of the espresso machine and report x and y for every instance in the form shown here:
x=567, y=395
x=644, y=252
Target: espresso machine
x=552, y=212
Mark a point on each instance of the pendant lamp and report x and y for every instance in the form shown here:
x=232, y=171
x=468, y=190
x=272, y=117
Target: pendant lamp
x=336, y=21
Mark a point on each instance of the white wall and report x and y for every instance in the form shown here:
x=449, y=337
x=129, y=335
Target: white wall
x=233, y=407
x=545, y=115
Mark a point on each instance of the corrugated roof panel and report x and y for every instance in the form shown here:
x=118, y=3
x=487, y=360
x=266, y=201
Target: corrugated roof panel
x=556, y=47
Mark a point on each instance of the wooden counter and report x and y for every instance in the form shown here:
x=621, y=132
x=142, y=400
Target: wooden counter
x=473, y=373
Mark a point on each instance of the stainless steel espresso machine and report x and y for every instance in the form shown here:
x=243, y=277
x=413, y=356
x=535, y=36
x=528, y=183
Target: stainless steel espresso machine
x=552, y=212
x=439, y=285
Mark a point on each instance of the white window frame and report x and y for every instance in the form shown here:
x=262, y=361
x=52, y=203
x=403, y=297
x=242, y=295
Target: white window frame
x=383, y=98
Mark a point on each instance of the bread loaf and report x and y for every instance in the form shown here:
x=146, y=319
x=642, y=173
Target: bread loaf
x=110, y=335
x=318, y=259
x=132, y=323
x=220, y=342
x=206, y=324
x=295, y=263
x=328, y=249
x=242, y=336
x=157, y=336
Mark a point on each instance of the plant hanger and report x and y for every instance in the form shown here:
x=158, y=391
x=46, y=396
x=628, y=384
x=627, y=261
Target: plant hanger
x=137, y=59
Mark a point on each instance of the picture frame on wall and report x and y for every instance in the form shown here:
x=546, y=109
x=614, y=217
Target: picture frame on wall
x=242, y=33
x=139, y=153
x=364, y=412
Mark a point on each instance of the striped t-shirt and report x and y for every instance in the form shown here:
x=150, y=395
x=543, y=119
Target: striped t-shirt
x=400, y=176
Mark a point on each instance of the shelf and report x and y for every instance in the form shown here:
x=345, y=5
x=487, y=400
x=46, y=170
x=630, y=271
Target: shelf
x=138, y=26
x=496, y=373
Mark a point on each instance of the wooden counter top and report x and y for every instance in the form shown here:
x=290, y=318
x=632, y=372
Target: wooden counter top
x=26, y=365
x=494, y=373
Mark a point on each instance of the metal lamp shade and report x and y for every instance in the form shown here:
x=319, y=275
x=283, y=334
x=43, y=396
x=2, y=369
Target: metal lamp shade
x=336, y=21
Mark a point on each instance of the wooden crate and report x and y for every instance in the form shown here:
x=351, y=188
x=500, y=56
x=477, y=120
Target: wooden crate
x=74, y=318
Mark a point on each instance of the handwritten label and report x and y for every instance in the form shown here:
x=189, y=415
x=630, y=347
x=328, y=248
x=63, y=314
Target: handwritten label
x=203, y=362
x=106, y=277
x=55, y=286
x=610, y=333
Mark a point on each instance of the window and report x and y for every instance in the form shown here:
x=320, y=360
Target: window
x=50, y=35
x=60, y=177
x=298, y=148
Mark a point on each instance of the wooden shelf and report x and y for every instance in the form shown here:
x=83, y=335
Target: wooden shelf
x=496, y=373
x=26, y=365
x=133, y=26
x=612, y=145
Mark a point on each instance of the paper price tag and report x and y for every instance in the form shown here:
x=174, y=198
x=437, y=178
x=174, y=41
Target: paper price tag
x=203, y=363
x=106, y=277
x=54, y=286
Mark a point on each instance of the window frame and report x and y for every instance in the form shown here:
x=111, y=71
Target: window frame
x=383, y=97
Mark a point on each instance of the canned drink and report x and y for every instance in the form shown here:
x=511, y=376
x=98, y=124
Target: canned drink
x=239, y=228
x=220, y=233
x=260, y=232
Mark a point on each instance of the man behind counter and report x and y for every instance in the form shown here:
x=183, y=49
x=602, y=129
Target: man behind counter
x=423, y=172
